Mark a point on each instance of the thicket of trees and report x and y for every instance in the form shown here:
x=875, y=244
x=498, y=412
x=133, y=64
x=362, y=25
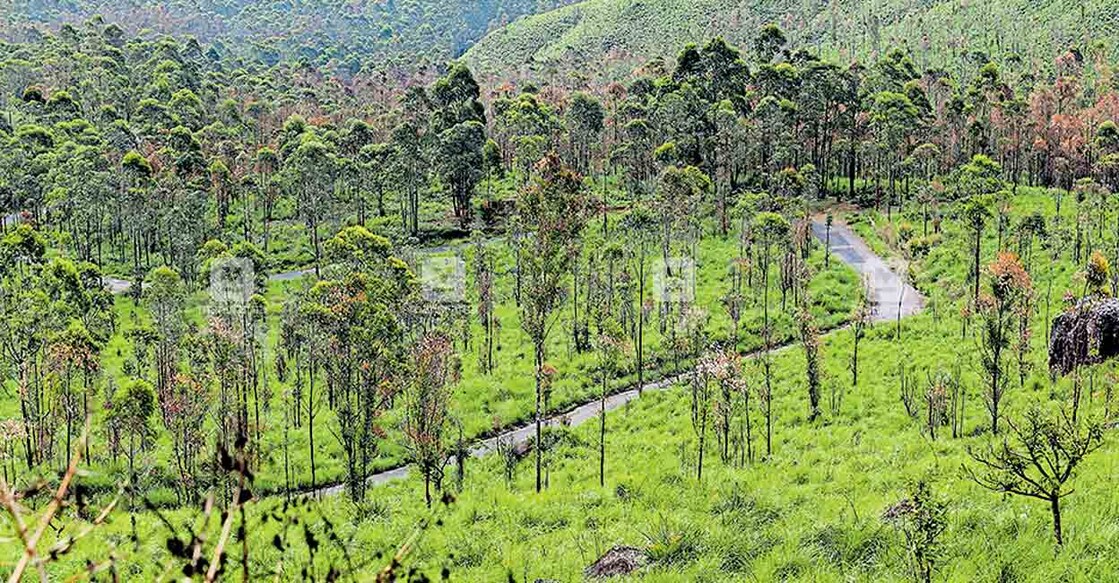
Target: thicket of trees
x=372, y=38
x=122, y=142
x=175, y=166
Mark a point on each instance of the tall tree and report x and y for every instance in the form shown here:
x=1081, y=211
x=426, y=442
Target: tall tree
x=552, y=209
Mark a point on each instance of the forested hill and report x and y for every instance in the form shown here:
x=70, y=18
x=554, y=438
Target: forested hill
x=348, y=34
x=614, y=35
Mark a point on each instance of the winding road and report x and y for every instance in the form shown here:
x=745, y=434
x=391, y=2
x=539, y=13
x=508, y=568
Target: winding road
x=891, y=295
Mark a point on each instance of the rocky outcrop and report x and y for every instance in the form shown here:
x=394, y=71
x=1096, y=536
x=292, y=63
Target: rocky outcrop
x=617, y=561
x=1085, y=334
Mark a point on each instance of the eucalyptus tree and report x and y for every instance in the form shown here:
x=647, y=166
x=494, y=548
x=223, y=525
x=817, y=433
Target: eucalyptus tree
x=458, y=122
x=24, y=330
x=432, y=371
x=358, y=319
x=411, y=155
x=552, y=209
x=267, y=163
x=1000, y=311
x=375, y=165
x=772, y=231
x=165, y=297
x=585, y=119
x=640, y=228
x=485, y=291
x=309, y=174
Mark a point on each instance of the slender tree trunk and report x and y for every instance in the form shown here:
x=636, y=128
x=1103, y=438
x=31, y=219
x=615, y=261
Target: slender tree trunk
x=602, y=434
x=539, y=345
x=641, y=323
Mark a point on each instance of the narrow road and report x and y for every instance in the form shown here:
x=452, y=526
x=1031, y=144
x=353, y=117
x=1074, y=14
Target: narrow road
x=891, y=294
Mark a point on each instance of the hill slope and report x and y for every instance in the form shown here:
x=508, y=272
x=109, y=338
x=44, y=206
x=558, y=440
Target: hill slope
x=959, y=32
x=346, y=32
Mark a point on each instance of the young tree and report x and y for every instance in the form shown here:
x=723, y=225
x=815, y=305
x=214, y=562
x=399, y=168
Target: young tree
x=770, y=229
x=130, y=417
x=861, y=320
x=724, y=366
x=611, y=347
x=921, y=518
x=552, y=210
x=976, y=213
x=427, y=397
x=707, y=370
x=486, y=292
x=1010, y=288
x=74, y=352
x=810, y=338
x=639, y=228
x=1042, y=459
x=25, y=315
x=165, y=298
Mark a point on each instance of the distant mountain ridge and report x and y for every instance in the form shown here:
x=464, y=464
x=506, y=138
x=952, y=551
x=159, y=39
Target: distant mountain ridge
x=947, y=33
x=346, y=33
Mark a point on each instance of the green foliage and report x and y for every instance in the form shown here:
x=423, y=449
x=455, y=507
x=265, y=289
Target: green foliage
x=344, y=37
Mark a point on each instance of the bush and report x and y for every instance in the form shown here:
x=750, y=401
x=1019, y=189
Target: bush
x=920, y=246
x=905, y=232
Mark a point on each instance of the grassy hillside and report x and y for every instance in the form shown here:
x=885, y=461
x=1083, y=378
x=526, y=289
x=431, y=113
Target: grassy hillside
x=336, y=32
x=815, y=511
x=959, y=32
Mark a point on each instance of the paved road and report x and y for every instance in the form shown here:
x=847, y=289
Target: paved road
x=890, y=292
x=887, y=289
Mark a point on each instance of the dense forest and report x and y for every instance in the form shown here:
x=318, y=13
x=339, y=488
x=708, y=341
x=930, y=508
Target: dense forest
x=346, y=38
x=288, y=290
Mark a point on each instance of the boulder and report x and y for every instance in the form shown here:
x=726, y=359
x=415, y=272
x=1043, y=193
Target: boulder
x=1086, y=333
x=620, y=560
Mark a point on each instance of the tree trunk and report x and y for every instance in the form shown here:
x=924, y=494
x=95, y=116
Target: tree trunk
x=539, y=342
x=602, y=435
x=1055, y=504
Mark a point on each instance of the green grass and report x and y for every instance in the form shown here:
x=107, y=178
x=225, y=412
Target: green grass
x=811, y=512
x=503, y=398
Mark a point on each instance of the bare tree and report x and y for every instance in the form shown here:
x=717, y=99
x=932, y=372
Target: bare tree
x=611, y=347
x=484, y=285
x=1041, y=460
x=861, y=320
